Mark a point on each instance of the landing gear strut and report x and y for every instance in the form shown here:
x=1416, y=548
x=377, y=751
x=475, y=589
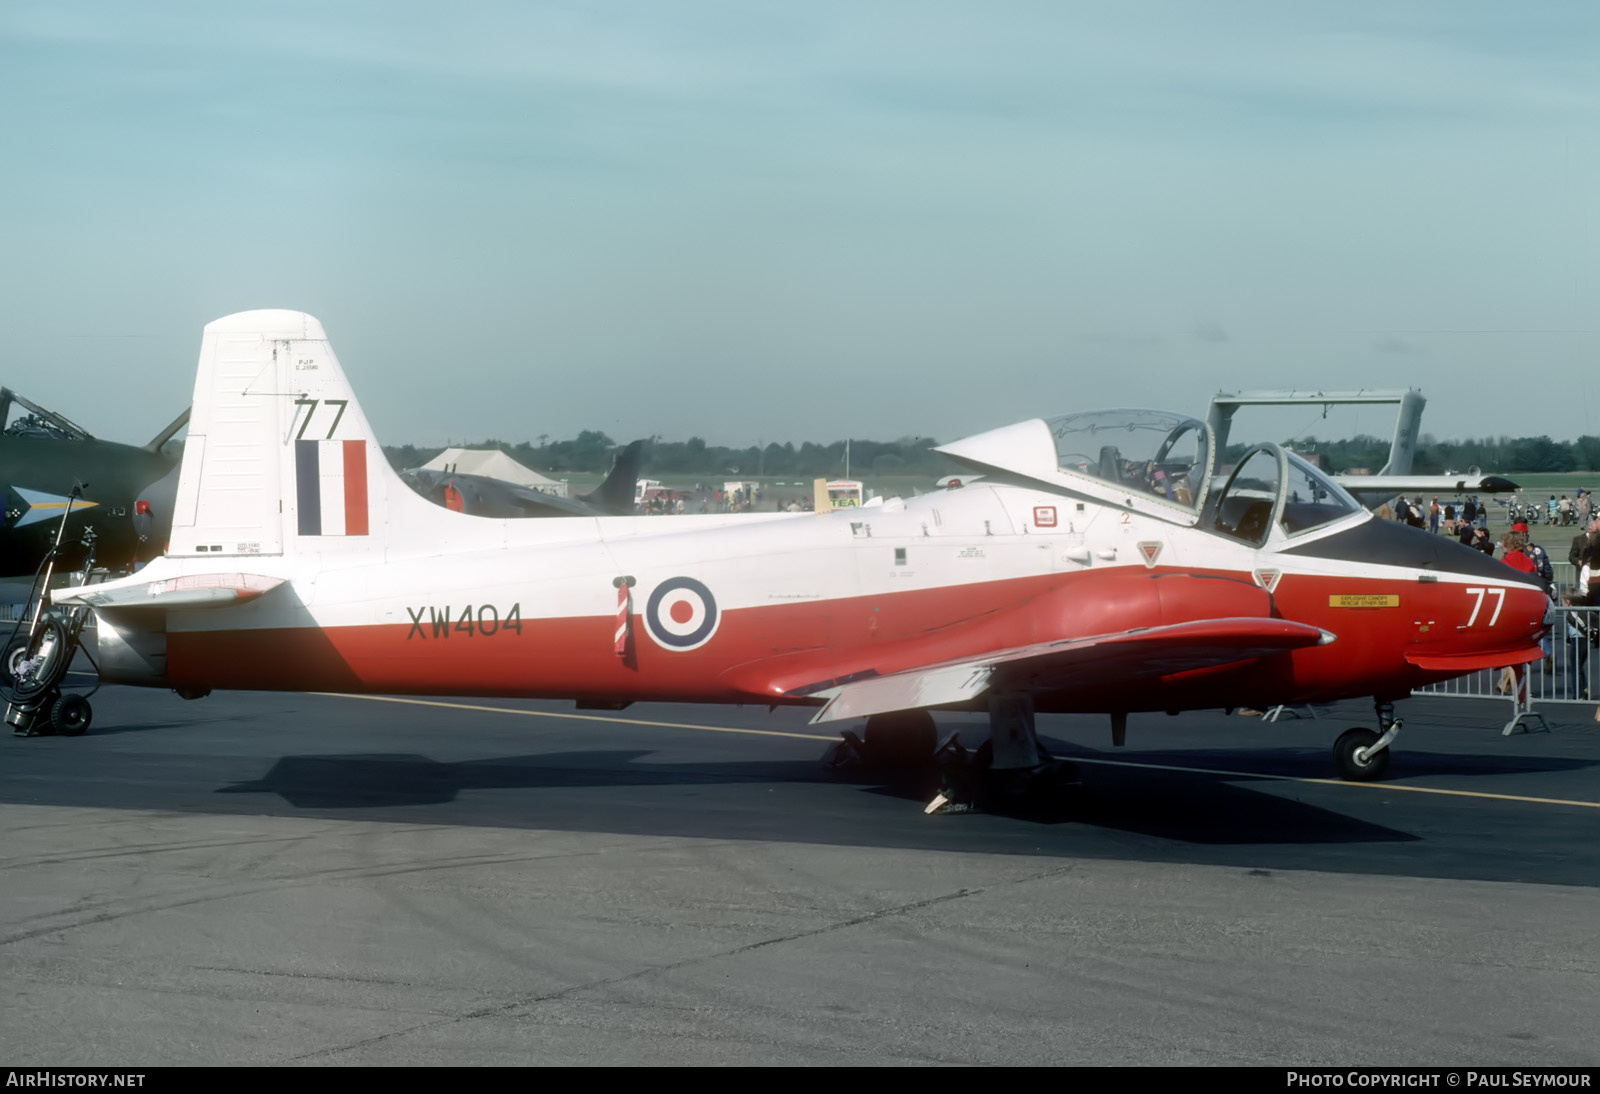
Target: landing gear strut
x=1011, y=770
x=1361, y=755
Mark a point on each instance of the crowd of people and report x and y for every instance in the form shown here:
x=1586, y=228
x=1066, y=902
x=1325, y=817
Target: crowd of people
x=1458, y=516
x=746, y=498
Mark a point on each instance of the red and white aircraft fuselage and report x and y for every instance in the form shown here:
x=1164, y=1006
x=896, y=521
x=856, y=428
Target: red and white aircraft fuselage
x=1101, y=563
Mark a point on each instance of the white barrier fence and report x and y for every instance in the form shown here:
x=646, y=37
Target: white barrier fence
x=1566, y=675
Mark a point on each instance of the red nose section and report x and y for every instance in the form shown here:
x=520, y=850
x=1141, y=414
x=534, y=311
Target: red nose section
x=1480, y=627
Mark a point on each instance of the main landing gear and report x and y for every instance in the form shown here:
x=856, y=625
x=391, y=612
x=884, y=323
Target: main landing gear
x=1361, y=755
x=1011, y=771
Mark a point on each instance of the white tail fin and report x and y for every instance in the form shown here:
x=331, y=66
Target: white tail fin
x=279, y=453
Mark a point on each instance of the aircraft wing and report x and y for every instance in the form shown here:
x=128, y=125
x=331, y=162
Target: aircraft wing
x=1143, y=654
x=1376, y=488
x=191, y=591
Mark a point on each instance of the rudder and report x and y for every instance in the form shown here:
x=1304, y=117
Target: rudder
x=279, y=457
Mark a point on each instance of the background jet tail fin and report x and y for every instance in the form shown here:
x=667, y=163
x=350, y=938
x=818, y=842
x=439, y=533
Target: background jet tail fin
x=279, y=456
x=615, y=494
x=156, y=443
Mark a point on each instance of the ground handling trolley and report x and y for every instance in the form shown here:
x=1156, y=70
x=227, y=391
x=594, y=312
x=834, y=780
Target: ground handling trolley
x=36, y=661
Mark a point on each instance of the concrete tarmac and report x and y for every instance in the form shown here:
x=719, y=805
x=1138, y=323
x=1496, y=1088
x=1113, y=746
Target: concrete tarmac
x=277, y=879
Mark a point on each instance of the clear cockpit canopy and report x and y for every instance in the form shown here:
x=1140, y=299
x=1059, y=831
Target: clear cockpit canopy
x=1313, y=499
x=1152, y=452
x=22, y=418
x=1269, y=487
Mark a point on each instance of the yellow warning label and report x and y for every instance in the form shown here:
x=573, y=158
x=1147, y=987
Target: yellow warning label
x=1364, y=600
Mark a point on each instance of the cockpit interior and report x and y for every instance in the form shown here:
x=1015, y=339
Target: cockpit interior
x=20, y=417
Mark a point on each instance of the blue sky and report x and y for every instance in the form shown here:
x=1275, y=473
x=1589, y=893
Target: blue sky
x=797, y=221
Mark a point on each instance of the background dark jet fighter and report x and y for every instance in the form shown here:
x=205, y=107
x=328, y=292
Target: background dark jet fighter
x=126, y=500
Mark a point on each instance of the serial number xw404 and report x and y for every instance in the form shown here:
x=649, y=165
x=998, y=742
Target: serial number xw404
x=485, y=621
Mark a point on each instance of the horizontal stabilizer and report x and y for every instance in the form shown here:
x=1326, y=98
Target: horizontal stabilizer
x=190, y=591
x=1130, y=657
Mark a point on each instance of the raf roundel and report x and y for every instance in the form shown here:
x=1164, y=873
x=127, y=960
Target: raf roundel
x=681, y=614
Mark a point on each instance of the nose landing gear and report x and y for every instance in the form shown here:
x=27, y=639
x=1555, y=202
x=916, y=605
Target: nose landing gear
x=1360, y=755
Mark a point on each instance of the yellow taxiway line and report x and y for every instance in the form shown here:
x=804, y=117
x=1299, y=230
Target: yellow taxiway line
x=1075, y=759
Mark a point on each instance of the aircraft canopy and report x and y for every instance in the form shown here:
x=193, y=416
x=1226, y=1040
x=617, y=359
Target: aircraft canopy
x=1151, y=451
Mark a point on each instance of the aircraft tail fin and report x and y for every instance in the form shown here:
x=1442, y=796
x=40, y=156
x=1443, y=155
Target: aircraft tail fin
x=615, y=494
x=160, y=439
x=1407, y=425
x=279, y=457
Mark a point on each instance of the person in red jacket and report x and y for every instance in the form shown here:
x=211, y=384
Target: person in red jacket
x=1517, y=558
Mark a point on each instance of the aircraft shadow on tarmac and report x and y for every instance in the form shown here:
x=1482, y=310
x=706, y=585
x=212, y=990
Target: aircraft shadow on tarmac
x=1120, y=813
x=1179, y=806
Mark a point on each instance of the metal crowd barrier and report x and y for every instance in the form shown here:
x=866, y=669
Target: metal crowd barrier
x=1567, y=675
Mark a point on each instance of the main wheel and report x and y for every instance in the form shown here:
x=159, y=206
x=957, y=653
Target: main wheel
x=1353, y=764
x=901, y=738
x=70, y=716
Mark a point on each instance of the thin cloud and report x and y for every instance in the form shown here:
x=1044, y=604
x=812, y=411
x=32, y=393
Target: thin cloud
x=1392, y=343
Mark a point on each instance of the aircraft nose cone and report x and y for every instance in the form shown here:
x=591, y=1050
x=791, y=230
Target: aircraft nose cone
x=1388, y=543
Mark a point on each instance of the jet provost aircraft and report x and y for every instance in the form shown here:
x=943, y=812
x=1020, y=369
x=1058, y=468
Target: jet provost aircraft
x=1103, y=563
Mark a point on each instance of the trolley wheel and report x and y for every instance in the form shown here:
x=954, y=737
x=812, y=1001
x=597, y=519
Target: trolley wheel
x=70, y=716
x=11, y=661
x=1361, y=769
x=50, y=645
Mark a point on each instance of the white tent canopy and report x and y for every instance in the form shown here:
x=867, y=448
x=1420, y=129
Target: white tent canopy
x=493, y=464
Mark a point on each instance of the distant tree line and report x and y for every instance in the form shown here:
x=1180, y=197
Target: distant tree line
x=592, y=451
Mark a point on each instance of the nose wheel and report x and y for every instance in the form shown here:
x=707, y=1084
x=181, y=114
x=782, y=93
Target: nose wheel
x=1362, y=756
x=1355, y=758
